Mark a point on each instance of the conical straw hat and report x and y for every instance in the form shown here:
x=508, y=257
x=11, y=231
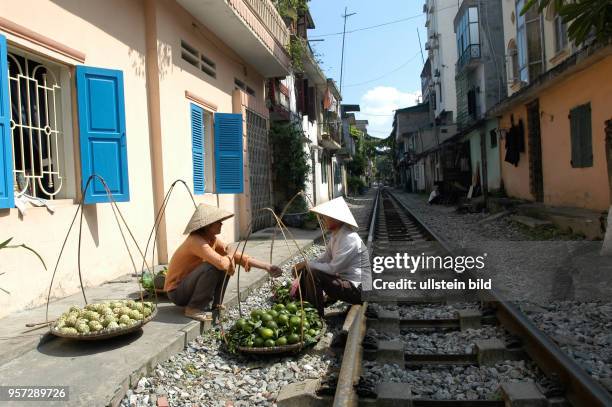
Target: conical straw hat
x=336, y=209
x=205, y=215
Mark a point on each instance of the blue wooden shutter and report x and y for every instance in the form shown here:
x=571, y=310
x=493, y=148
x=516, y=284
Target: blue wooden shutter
x=102, y=132
x=228, y=153
x=7, y=199
x=197, y=148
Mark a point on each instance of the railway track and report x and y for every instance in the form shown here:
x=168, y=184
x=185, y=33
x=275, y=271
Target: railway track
x=456, y=333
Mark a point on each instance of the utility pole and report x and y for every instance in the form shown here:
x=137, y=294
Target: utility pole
x=345, y=16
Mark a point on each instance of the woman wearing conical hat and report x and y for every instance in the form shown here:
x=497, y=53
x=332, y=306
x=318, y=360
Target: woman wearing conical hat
x=197, y=270
x=338, y=271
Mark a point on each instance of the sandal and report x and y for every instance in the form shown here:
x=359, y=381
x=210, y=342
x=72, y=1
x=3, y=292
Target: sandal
x=202, y=316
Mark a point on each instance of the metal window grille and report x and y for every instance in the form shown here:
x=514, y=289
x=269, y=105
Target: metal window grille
x=259, y=170
x=36, y=126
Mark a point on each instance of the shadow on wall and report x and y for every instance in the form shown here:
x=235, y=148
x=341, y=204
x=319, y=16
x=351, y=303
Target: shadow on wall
x=121, y=26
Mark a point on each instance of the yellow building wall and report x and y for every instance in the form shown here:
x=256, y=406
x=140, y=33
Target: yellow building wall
x=564, y=185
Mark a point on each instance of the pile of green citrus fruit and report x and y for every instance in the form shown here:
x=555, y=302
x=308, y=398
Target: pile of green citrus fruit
x=283, y=324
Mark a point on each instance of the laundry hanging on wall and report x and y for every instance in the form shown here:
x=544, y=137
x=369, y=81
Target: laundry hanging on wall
x=515, y=142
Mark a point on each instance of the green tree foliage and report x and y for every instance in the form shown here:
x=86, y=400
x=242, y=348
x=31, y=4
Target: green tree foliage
x=291, y=161
x=583, y=17
x=290, y=8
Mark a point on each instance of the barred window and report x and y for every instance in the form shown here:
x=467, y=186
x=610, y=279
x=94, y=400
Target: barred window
x=40, y=106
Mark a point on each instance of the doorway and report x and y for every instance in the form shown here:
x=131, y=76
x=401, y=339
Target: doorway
x=536, y=178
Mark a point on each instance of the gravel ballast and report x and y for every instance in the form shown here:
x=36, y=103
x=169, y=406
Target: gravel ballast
x=454, y=382
x=205, y=374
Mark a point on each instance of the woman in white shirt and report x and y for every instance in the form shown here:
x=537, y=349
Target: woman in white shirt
x=337, y=272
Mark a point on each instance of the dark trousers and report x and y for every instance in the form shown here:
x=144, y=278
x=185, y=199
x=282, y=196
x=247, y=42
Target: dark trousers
x=202, y=289
x=314, y=283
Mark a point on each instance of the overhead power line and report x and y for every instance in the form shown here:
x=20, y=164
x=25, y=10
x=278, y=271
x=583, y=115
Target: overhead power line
x=371, y=27
x=386, y=74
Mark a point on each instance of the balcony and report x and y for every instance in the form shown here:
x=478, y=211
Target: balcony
x=312, y=69
x=252, y=28
x=330, y=136
x=470, y=57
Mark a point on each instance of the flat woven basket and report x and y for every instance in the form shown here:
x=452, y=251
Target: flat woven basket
x=275, y=350
x=98, y=336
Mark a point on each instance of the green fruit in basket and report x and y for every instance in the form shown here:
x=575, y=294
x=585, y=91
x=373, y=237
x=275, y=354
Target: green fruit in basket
x=91, y=315
x=130, y=303
x=269, y=343
x=146, y=312
x=135, y=315
x=241, y=324
x=278, y=307
x=282, y=320
x=291, y=307
x=282, y=341
x=112, y=326
x=71, y=321
x=122, y=325
x=95, y=326
x=138, y=306
x=295, y=322
x=258, y=342
x=271, y=325
x=125, y=310
x=293, y=338
x=60, y=323
x=124, y=319
x=311, y=332
x=107, y=319
x=266, y=333
x=273, y=313
x=74, y=308
x=266, y=317
x=116, y=304
x=306, y=325
x=69, y=330
x=256, y=314
x=83, y=328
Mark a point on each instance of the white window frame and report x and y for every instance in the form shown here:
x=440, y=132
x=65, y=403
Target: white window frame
x=61, y=84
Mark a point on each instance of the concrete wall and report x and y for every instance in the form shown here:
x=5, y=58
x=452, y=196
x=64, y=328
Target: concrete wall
x=99, y=30
x=564, y=185
x=493, y=164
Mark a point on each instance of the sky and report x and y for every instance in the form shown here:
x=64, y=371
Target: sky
x=382, y=66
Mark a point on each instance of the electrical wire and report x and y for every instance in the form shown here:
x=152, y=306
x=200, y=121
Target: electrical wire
x=385, y=75
x=371, y=27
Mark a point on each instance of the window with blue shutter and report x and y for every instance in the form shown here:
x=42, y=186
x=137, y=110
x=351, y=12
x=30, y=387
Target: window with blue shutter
x=581, y=136
x=228, y=153
x=197, y=148
x=103, y=147
x=6, y=149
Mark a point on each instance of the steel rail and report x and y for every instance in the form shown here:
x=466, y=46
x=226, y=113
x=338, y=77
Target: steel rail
x=345, y=395
x=581, y=388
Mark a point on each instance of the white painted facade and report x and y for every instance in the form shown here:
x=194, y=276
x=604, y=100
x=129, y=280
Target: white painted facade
x=442, y=48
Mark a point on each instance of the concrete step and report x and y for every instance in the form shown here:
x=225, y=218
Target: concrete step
x=530, y=222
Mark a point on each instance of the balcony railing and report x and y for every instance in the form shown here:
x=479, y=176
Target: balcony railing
x=252, y=28
x=469, y=55
x=271, y=19
x=332, y=130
